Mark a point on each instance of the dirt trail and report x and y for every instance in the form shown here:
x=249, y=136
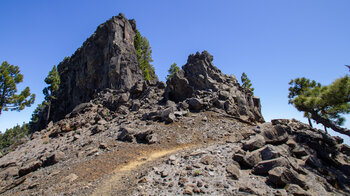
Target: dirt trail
x=121, y=172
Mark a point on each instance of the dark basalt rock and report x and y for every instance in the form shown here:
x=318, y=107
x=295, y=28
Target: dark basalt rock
x=201, y=79
x=106, y=60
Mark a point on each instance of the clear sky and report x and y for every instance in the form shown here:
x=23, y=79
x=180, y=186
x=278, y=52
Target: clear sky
x=273, y=41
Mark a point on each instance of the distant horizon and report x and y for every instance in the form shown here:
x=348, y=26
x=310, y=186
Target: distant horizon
x=272, y=42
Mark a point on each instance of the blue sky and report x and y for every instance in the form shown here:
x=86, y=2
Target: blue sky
x=273, y=41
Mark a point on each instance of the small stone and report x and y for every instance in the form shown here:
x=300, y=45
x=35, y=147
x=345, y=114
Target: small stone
x=54, y=173
x=103, y=146
x=171, y=184
x=97, y=129
x=199, y=184
x=196, y=190
x=72, y=177
x=92, y=152
x=207, y=160
x=182, y=181
x=188, y=191
x=33, y=185
x=164, y=174
x=188, y=167
x=101, y=122
x=172, y=158
x=76, y=137
x=143, y=180
x=233, y=171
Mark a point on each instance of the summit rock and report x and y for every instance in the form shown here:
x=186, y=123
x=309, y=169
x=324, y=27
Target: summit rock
x=106, y=60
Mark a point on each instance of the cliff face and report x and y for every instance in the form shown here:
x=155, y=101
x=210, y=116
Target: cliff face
x=106, y=60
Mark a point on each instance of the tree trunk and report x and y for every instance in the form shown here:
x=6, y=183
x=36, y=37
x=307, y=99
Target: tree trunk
x=2, y=99
x=309, y=122
x=326, y=122
x=325, y=129
x=48, y=112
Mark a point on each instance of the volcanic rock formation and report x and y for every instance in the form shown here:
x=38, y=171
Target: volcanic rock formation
x=200, y=78
x=106, y=60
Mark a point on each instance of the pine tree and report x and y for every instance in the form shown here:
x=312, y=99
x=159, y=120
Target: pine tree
x=144, y=56
x=172, y=70
x=9, y=77
x=246, y=83
x=53, y=81
x=324, y=104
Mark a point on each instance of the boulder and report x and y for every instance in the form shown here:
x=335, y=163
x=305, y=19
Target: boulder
x=299, y=152
x=136, y=105
x=344, y=148
x=147, y=137
x=97, y=129
x=296, y=190
x=263, y=167
x=254, y=142
x=276, y=134
x=194, y=104
x=281, y=176
x=29, y=167
x=9, y=172
x=251, y=159
x=314, y=162
x=53, y=158
x=271, y=152
x=125, y=135
x=168, y=115
x=137, y=88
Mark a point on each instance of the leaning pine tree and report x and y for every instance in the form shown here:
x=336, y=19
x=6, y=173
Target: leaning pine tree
x=324, y=104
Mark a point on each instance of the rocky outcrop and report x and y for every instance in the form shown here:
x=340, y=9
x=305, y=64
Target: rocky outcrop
x=202, y=85
x=106, y=60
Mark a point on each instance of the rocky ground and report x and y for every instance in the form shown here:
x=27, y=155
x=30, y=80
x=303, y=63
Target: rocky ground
x=244, y=168
x=204, y=153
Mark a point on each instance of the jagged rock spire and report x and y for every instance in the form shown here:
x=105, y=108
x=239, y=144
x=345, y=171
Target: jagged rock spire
x=106, y=60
